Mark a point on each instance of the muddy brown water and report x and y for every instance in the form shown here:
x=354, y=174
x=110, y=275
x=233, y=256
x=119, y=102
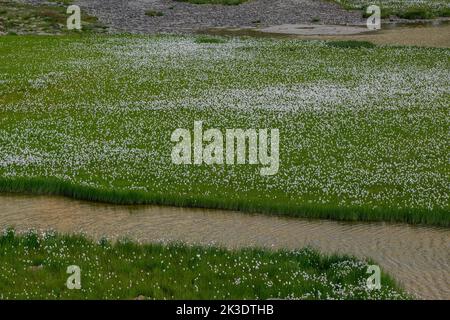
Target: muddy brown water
x=417, y=256
x=435, y=34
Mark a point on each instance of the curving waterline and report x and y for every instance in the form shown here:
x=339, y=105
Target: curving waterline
x=417, y=256
x=433, y=34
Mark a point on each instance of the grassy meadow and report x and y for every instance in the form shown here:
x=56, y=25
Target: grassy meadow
x=33, y=266
x=363, y=129
x=363, y=137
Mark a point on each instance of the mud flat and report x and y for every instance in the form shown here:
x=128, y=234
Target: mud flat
x=418, y=257
x=422, y=35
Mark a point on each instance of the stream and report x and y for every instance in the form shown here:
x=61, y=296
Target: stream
x=416, y=256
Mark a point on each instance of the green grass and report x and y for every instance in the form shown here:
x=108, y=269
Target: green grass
x=416, y=13
x=445, y=12
x=209, y=39
x=33, y=266
x=91, y=117
x=351, y=44
x=223, y=2
x=406, y=9
x=153, y=13
x=19, y=18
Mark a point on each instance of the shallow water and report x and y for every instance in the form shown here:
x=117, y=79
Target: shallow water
x=426, y=34
x=418, y=257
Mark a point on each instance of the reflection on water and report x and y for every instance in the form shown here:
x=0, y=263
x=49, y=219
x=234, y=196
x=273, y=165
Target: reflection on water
x=419, y=257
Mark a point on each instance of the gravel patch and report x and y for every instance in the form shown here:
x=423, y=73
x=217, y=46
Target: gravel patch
x=178, y=17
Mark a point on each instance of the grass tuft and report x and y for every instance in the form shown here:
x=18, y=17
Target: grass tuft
x=445, y=12
x=351, y=44
x=416, y=13
x=209, y=39
x=154, y=13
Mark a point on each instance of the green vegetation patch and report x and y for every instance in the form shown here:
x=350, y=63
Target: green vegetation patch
x=406, y=9
x=154, y=13
x=351, y=44
x=209, y=39
x=20, y=18
x=33, y=266
x=416, y=13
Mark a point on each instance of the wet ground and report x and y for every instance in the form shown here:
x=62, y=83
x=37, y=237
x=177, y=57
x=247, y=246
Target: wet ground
x=417, y=256
x=435, y=34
